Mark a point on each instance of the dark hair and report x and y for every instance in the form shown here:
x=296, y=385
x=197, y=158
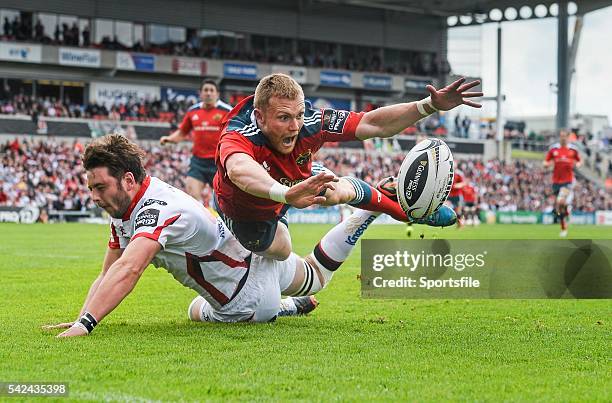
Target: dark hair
x=116, y=153
x=211, y=82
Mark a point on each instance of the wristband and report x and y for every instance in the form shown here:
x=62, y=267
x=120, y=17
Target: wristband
x=87, y=321
x=80, y=326
x=278, y=192
x=420, y=106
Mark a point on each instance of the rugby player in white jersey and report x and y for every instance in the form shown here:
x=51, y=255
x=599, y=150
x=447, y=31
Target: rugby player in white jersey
x=153, y=222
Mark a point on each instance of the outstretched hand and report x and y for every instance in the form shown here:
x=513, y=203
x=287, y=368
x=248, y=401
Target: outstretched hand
x=64, y=325
x=307, y=193
x=73, y=332
x=69, y=332
x=454, y=94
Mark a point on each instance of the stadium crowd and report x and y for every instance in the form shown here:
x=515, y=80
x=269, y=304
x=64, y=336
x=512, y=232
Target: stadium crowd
x=133, y=109
x=325, y=56
x=48, y=173
x=141, y=110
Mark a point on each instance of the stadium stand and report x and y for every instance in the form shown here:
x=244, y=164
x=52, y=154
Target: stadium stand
x=306, y=53
x=134, y=109
x=48, y=174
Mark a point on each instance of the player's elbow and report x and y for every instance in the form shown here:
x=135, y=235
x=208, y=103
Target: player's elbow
x=368, y=129
x=238, y=174
x=234, y=173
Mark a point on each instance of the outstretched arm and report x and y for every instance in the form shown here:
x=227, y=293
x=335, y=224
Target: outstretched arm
x=118, y=282
x=390, y=120
x=252, y=178
x=176, y=137
x=111, y=257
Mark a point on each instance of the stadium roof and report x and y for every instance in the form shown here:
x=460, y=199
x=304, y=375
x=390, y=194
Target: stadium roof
x=449, y=8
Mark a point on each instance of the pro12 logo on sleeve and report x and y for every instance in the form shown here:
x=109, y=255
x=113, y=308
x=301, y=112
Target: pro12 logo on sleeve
x=148, y=202
x=334, y=121
x=147, y=218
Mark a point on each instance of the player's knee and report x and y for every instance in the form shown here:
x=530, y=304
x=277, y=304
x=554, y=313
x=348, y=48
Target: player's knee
x=281, y=252
x=265, y=316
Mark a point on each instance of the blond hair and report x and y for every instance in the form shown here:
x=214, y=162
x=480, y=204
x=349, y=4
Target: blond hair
x=276, y=85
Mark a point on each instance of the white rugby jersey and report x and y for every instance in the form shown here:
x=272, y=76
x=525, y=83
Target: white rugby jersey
x=197, y=248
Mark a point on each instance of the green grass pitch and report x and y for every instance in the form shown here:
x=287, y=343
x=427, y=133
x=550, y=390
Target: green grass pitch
x=348, y=349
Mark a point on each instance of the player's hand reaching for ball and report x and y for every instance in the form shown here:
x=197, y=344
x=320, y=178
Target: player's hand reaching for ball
x=454, y=94
x=307, y=193
x=164, y=140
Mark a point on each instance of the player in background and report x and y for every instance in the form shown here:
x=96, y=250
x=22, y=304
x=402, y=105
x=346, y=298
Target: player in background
x=202, y=125
x=563, y=156
x=455, y=197
x=153, y=222
x=470, y=202
x=264, y=160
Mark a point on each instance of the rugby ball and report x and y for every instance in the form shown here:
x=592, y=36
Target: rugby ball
x=425, y=178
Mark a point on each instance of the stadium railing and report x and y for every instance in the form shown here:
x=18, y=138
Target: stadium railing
x=78, y=127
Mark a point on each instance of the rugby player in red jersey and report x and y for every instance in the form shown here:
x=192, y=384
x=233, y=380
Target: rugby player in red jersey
x=470, y=200
x=264, y=158
x=201, y=124
x=563, y=156
x=455, y=197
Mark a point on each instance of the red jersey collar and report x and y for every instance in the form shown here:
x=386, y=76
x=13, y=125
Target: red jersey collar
x=143, y=188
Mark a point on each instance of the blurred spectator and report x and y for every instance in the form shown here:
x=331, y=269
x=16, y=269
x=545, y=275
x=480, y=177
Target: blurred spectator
x=85, y=35
x=6, y=28
x=132, y=109
x=49, y=174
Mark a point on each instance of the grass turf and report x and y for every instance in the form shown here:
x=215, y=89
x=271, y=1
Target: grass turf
x=348, y=349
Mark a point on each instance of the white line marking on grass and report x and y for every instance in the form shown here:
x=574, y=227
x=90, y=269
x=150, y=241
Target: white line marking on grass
x=46, y=255
x=111, y=397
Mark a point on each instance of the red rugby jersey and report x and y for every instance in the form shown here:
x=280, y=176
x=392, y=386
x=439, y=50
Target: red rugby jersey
x=469, y=194
x=455, y=191
x=564, y=159
x=241, y=135
x=205, y=125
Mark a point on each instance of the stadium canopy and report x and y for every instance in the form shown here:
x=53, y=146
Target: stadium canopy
x=447, y=8
x=468, y=12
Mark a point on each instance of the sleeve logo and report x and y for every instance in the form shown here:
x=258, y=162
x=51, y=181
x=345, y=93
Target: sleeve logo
x=334, y=121
x=147, y=218
x=148, y=202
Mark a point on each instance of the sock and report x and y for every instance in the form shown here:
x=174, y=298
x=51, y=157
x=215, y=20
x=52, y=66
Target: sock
x=287, y=307
x=563, y=214
x=332, y=251
x=203, y=314
x=338, y=243
x=369, y=198
x=311, y=284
